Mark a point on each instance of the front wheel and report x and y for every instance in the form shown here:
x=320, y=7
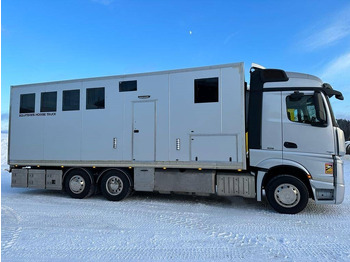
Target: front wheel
x=287, y=194
x=115, y=185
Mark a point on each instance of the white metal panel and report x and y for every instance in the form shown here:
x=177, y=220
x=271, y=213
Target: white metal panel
x=19, y=178
x=232, y=98
x=36, y=178
x=193, y=181
x=214, y=148
x=188, y=118
x=340, y=141
x=271, y=126
x=315, y=164
x=53, y=179
x=125, y=123
x=27, y=130
x=144, y=179
x=233, y=107
x=101, y=126
x=144, y=127
x=137, y=75
x=157, y=87
x=264, y=158
x=62, y=130
x=236, y=185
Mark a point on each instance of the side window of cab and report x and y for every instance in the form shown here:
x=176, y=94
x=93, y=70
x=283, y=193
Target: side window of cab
x=307, y=109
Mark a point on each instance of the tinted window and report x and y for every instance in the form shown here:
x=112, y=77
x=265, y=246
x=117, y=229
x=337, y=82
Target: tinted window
x=305, y=109
x=71, y=100
x=48, y=102
x=206, y=90
x=27, y=103
x=95, y=98
x=126, y=86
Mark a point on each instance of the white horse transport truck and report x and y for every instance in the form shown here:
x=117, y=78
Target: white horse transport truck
x=199, y=131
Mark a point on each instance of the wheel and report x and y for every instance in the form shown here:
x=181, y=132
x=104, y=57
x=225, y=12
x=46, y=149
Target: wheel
x=78, y=183
x=287, y=194
x=115, y=185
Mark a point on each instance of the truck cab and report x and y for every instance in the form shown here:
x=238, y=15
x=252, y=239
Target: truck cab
x=295, y=143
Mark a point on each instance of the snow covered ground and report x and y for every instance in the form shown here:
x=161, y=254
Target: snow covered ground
x=40, y=225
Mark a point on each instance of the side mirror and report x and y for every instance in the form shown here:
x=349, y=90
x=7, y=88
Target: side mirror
x=339, y=97
x=347, y=147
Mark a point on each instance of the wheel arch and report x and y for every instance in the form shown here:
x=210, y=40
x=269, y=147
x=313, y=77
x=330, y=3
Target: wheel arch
x=87, y=171
x=271, y=168
x=297, y=172
x=125, y=171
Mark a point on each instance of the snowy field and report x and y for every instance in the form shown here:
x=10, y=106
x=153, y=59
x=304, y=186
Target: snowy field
x=40, y=225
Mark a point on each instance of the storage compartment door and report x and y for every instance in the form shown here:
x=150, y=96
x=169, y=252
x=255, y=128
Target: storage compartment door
x=214, y=148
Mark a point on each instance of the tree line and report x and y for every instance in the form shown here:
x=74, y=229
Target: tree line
x=345, y=126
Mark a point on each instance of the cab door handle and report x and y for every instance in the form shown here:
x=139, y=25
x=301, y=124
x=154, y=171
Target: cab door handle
x=290, y=145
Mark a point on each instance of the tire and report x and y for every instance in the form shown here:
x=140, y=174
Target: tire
x=115, y=185
x=287, y=194
x=79, y=184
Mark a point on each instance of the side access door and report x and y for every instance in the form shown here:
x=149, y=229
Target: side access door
x=144, y=131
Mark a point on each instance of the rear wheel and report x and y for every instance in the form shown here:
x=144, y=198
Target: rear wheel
x=115, y=185
x=287, y=194
x=79, y=183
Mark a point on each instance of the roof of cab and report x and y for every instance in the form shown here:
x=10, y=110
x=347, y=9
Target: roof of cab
x=296, y=80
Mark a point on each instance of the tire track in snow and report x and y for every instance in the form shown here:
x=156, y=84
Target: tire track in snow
x=10, y=228
x=152, y=227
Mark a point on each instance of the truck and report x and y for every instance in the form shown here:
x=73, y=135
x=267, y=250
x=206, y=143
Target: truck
x=198, y=131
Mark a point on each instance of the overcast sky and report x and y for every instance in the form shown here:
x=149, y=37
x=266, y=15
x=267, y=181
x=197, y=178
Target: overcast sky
x=66, y=39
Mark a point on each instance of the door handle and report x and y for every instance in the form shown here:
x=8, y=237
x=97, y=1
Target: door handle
x=136, y=131
x=290, y=145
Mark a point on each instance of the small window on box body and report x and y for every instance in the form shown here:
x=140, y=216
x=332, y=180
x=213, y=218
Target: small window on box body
x=127, y=86
x=27, y=103
x=48, y=102
x=206, y=90
x=95, y=98
x=71, y=100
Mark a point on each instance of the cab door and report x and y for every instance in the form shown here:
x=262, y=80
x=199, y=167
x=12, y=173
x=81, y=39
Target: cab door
x=307, y=127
